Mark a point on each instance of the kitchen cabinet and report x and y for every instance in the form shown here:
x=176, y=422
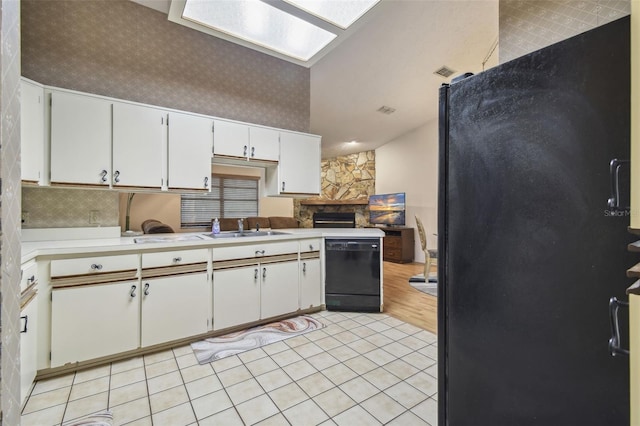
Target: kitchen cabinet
x=174, y=307
x=310, y=273
x=80, y=139
x=279, y=288
x=139, y=135
x=310, y=283
x=28, y=326
x=175, y=282
x=28, y=345
x=298, y=172
x=244, y=142
x=92, y=321
x=236, y=296
x=32, y=132
x=190, y=140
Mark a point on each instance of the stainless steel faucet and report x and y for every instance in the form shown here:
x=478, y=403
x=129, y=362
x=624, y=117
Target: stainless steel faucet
x=240, y=225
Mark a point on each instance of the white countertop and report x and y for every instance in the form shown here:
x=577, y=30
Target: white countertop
x=95, y=246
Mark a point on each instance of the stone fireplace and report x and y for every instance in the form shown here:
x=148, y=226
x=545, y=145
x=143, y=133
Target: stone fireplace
x=346, y=183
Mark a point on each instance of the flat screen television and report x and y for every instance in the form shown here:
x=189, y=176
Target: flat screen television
x=387, y=209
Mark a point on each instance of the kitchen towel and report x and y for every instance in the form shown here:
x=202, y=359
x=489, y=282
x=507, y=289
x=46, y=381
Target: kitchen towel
x=216, y=348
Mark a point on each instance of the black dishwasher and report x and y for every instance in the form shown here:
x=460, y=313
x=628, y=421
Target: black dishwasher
x=352, y=274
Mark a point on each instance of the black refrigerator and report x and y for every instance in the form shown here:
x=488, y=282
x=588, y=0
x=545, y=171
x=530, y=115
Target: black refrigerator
x=531, y=248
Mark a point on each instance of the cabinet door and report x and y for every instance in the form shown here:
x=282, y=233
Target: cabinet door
x=299, y=167
x=80, y=139
x=236, y=296
x=264, y=144
x=28, y=346
x=94, y=321
x=190, y=149
x=138, y=138
x=279, y=292
x=310, y=283
x=230, y=139
x=31, y=131
x=174, y=307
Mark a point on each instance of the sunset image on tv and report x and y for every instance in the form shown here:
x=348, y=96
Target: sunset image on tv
x=387, y=209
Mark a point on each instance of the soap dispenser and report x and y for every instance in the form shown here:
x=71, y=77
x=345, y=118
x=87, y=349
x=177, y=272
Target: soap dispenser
x=216, y=226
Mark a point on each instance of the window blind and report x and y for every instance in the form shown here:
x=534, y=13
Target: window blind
x=230, y=196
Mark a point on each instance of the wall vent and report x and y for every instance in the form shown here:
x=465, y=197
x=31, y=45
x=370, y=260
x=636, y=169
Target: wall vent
x=444, y=71
x=386, y=110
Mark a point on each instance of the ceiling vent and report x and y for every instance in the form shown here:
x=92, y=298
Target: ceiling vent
x=386, y=110
x=445, y=71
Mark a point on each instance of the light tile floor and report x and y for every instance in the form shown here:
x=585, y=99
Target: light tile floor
x=361, y=369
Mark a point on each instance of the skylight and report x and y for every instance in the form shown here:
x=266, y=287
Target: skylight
x=296, y=29
x=342, y=13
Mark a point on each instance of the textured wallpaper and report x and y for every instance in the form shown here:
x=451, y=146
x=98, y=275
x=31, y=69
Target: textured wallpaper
x=69, y=208
x=526, y=26
x=10, y=215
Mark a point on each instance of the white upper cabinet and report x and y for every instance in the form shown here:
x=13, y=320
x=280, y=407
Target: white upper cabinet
x=80, y=139
x=237, y=141
x=139, y=135
x=32, y=131
x=298, y=173
x=230, y=140
x=264, y=144
x=190, y=149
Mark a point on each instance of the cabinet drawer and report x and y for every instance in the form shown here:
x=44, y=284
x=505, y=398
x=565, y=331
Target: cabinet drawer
x=392, y=254
x=392, y=242
x=170, y=258
x=254, y=250
x=93, y=265
x=29, y=273
x=312, y=244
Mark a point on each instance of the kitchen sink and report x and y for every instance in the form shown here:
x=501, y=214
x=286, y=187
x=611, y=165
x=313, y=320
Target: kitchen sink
x=245, y=234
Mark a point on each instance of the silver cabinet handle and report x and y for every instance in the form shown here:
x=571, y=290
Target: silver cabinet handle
x=26, y=320
x=304, y=267
x=255, y=274
x=146, y=289
x=177, y=259
x=260, y=252
x=614, y=171
x=132, y=293
x=96, y=266
x=253, y=151
x=103, y=176
x=206, y=182
x=264, y=273
x=245, y=151
x=614, y=343
x=283, y=186
x=31, y=279
x=311, y=247
x=116, y=176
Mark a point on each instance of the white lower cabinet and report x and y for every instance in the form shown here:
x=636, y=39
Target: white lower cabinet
x=310, y=283
x=174, y=307
x=94, y=321
x=279, y=292
x=28, y=346
x=236, y=296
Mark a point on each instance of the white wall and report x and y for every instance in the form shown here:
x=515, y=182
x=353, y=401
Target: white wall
x=410, y=164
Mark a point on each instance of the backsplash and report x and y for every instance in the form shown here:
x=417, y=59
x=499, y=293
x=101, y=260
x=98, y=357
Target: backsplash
x=68, y=208
x=346, y=177
x=526, y=26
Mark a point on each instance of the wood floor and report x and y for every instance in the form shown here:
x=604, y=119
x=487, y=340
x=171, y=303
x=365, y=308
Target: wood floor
x=405, y=302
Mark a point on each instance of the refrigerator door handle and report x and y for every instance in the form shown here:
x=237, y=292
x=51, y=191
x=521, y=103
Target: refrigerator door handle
x=614, y=172
x=614, y=342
